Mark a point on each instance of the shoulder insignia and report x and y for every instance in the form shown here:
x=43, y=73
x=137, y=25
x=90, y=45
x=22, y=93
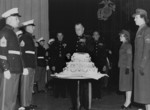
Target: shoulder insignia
x=3, y=42
x=129, y=51
x=147, y=40
x=22, y=43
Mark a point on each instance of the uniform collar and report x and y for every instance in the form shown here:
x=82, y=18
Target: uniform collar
x=10, y=27
x=29, y=33
x=141, y=27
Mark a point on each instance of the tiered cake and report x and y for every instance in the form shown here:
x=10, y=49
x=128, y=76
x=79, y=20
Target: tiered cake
x=80, y=66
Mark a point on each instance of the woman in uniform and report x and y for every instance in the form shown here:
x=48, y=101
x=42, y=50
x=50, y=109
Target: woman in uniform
x=125, y=66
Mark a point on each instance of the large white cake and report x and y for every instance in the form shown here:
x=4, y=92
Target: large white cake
x=80, y=66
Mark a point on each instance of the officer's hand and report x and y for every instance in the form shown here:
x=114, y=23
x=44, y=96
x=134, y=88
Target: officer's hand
x=127, y=71
x=7, y=74
x=25, y=71
x=141, y=71
x=68, y=55
x=47, y=67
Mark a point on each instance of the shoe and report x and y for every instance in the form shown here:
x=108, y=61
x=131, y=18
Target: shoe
x=125, y=108
x=42, y=91
x=33, y=106
x=141, y=109
x=72, y=108
x=21, y=108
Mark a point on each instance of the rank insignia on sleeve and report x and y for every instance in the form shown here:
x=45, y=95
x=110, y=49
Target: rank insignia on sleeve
x=147, y=40
x=3, y=42
x=22, y=43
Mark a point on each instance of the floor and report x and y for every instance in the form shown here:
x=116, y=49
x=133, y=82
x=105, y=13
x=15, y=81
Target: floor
x=111, y=100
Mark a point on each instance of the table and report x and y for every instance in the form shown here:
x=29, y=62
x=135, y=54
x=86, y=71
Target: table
x=78, y=78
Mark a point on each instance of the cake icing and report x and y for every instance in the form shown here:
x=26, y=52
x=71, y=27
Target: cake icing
x=80, y=66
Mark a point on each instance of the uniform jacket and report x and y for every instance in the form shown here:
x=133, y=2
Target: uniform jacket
x=99, y=50
x=10, y=56
x=41, y=56
x=125, y=56
x=28, y=50
x=59, y=53
x=85, y=47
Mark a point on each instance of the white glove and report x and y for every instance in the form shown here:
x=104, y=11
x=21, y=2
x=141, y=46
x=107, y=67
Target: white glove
x=47, y=67
x=25, y=71
x=104, y=68
x=7, y=74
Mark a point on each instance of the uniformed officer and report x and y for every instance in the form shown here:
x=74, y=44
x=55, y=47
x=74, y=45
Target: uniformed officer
x=10, y=60
x=83, y=41
x=142, y=59
x=99, y=59
x=50, y=51
x=40, y=74
x=82, y=45
x=60, y=47
x=29, y=60
x=125, y=65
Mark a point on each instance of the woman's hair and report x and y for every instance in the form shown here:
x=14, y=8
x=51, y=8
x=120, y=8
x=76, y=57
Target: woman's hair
x=145, y=18
x=126, y=34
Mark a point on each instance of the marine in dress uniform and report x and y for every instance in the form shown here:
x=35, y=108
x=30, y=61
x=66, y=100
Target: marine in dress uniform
x=40, y=74
x=142, y=59
x=28, y=50
x=51, y=54
x=59, y=53
x=10, y=61
x=99, y=59
x=125, y=65
x=82, y=45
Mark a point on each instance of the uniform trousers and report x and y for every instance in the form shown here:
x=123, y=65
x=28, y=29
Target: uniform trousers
x=83, y=93
x=40, y=76
x=8, y=92
x=27, y=82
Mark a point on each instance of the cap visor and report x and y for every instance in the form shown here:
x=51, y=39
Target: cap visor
x=16, y=14
x=33, y=24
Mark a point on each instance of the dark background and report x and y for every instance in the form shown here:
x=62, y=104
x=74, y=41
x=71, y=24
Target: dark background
x=63, y=14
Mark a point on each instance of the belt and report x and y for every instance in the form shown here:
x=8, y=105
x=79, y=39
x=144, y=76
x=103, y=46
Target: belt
x=14, y=52
x=40, y=57
x=30, y=52
x=3, y=57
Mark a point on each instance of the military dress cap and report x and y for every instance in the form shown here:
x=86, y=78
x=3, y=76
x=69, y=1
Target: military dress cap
x=30, y=22
x=40, y=39
x=140, y=12
x=51, y=40
x=19, y=33
x=11, y=12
